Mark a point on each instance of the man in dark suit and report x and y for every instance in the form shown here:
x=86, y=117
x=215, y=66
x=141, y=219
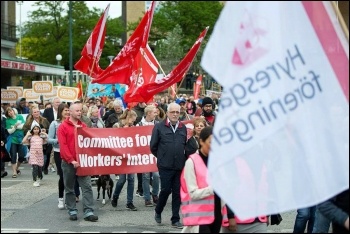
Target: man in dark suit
x=50, y=114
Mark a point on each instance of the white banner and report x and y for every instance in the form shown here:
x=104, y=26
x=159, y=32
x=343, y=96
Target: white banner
x=18, y=89
x=281, y=137
x=67, y=94
x=31, y=96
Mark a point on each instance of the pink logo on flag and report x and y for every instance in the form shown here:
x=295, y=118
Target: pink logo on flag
x=250, y=45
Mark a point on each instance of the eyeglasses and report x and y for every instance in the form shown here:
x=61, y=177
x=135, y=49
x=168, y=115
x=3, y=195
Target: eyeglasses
x=174, y=112
x=208, y=106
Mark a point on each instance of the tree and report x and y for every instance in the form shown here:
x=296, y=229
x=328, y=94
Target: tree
x=47, y=32
x=191, y=18
x=169, y=51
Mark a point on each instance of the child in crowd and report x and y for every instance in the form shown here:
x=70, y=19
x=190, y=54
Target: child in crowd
x=36, y=138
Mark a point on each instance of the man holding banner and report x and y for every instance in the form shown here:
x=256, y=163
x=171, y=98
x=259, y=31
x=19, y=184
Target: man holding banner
x=65, y=133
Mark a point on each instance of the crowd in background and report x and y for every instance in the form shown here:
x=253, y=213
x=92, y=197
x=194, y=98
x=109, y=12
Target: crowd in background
x=31, y=131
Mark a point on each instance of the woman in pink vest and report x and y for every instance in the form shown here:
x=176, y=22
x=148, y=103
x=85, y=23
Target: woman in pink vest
x=254, y=224
x=201, y=209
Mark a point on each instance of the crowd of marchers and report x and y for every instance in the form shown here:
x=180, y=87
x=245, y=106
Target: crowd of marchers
x=41, y=134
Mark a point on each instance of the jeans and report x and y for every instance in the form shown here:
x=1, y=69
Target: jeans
x=305, y=216
x=17, y=148
x=47, y=155
x=37, y=172
x=146, y=185
x=322, y=224
x=170, y=184
x=130, y=188
x=69, y=175
x=139, y=183
x=58, y=162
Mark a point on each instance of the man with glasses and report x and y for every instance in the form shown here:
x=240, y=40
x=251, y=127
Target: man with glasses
x=207, y=110
x=168, y=146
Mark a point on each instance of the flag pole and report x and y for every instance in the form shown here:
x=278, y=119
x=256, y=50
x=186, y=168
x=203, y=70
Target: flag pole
x=160, y=67
x=341, y=19
x=87, y=86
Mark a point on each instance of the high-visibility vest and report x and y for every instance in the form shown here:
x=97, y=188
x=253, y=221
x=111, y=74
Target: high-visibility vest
x=244, y=171
x=198, y=212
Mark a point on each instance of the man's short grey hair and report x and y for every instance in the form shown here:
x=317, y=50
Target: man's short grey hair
x=55, y=98
x=173, y=105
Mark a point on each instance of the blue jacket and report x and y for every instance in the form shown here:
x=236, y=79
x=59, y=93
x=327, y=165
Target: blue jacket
x=169, y=147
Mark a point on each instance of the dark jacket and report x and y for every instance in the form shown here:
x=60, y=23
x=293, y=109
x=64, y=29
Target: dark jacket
x=48, y=114
x=169, y=147
x=191, y=146
x=336, y=209
x=140, y=112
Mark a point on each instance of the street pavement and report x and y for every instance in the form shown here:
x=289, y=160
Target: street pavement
x=29, y=209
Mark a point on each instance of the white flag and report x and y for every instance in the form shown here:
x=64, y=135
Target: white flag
x=281, y=137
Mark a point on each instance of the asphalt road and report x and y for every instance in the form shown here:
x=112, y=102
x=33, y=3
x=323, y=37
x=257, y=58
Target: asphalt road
x=29, y=209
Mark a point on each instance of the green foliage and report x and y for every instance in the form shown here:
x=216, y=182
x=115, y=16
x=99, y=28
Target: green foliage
x=169, y=51
x=175, y=28
x=46, y=34
x=192, y=18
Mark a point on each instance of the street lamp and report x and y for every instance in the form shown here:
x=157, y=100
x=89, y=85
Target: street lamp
x=58, y=58
x=110, y=57
x=20, y=28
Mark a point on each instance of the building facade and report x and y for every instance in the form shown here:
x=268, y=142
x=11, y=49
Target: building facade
x=16, y=71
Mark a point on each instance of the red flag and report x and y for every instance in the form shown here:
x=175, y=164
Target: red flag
x=146, y=91
x=80, y=87
x=147, y=69
x=121, y=68
x=197, y=87
x=91, y=53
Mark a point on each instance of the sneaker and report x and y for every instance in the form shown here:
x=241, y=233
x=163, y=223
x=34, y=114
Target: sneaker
x=155, y=199
x=53, y=169
x=148, y=204
x=157, y=217
x=139, y=194
x=131, y=206
x=4, y=174
x=46, y=171
x=39, y=181
x=91, y=218
x=115, y=202
x=73, y=217
x=177, y=225
x=36, y=184
x=60, y=204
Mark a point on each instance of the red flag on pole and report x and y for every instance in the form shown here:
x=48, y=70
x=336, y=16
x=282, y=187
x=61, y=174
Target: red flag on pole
x=197, y=87
x=146, y=72
x=121, y=68
x=91, y=53
x=146, y=91
x=80, y=87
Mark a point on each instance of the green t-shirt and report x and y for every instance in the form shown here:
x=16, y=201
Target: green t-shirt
x=18, y=135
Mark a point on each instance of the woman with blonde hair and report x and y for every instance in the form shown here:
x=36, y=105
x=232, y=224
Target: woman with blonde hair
x=96, y=122
x=126, y=120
